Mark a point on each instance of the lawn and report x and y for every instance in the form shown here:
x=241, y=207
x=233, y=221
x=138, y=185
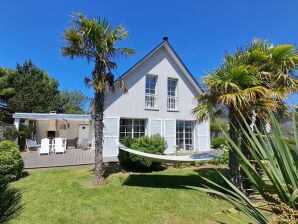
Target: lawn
x=64, y=195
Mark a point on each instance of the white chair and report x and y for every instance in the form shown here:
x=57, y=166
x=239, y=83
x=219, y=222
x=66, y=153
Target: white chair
x=60, y=145
x=45, y=146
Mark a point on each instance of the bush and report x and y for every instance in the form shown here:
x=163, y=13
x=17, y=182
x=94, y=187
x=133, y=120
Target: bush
x=10, y=133
x=10, y=206
x=153, y=144
x=217, y=142
x=224, y=158
x=11, y=162
x=25, y=132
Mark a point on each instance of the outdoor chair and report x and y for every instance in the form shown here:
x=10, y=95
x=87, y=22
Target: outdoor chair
x=60, y=145
x=45, y=146
x=72, y=143
x=84, y=144
x=31, y=144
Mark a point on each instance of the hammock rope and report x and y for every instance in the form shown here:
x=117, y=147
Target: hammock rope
x=201, y=156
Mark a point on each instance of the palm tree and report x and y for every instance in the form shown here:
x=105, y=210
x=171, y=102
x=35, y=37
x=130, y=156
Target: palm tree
x=96, y=40
x=251, y=82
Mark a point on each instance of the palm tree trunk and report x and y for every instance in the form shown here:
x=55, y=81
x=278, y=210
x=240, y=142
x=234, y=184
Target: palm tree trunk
x=234, y=166
x=98, y=129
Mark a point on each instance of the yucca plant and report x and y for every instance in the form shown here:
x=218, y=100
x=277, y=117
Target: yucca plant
x=276, y=155
x=10, y=202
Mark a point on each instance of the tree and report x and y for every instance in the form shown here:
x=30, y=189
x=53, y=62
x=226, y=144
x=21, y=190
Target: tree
x=96, y=40
x=75, y=101
x=6, y=92
x=37, y=92
x=250, y=83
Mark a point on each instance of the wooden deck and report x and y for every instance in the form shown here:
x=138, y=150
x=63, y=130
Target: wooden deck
x=72, y=157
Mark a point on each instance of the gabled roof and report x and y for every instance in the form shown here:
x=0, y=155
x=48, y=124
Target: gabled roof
x=165, y=43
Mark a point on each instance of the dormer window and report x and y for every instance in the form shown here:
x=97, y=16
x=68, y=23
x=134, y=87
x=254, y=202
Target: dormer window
x=151, y=92
x=172, y=99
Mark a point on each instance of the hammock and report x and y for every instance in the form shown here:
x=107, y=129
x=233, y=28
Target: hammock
x=203, y=156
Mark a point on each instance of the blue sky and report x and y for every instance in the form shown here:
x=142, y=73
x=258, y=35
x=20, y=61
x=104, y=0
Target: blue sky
x=200, y=31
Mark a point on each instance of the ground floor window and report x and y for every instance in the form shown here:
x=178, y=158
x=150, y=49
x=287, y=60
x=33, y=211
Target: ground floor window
x=132, y=127
x=184, y=134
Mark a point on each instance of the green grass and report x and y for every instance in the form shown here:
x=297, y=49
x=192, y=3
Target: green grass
x=64, y=195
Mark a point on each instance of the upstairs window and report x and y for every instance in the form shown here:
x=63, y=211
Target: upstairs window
x=172, y=99
x=150, y=92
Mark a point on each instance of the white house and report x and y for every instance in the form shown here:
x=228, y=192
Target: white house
x=161, y=95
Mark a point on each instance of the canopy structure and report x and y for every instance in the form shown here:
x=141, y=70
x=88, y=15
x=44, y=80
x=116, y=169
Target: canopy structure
x=203, y=156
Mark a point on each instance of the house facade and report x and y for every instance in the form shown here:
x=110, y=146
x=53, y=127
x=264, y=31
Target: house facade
x=161, y=95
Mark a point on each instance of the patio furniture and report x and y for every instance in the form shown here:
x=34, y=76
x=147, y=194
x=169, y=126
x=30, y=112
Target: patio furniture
x=84, y=144
x=31, y=144
x=60, y=145
x=72, y=142
x=45, y=146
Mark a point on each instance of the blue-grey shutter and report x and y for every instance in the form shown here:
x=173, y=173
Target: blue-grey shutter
x=170, y=135
x=203, y=136
x=155, y=127
x=111, y=136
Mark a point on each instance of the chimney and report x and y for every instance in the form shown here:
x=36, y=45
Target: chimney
x=165, y=38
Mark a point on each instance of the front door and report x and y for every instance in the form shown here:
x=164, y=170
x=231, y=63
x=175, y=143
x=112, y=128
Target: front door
x=83, y=132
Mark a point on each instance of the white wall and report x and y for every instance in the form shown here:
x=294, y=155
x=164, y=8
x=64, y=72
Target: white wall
x=132, y=104
x=70, y=132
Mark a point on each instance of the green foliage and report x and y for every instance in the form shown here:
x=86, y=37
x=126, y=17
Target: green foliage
x=25, y=132
x=36, y=91
x=217, y=142
x=151, y=144
x=10, y=206
x=10, y=133
x=11, y=162
x=6, y=91
x=255, y=79
x=74, y=101
x=219, y=125
x=224, y=158
x=275, y=156
x=98, y=45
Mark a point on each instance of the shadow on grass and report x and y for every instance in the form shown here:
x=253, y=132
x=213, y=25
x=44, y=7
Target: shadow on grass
x=109, y=169
x=174, y=181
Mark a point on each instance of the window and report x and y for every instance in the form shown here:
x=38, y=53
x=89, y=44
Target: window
x=172, y=100
x=150, y=92
x=184, y=135
x=132, y=127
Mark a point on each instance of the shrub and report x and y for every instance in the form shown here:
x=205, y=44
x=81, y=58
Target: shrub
x=10, y=206
x=224, y=158
x=217, y=142
x=25, y=132
x=11, y=162
x=151, y=144
x=10, y=133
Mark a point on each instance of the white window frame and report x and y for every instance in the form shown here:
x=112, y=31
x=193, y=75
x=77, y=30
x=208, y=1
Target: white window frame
x=151, y=96
x=132, y=125
x=172, y=99
x=184, y=132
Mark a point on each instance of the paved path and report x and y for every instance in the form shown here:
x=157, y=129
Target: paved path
x=69, y=158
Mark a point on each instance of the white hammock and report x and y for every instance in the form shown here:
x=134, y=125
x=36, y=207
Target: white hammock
x=203, y=156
